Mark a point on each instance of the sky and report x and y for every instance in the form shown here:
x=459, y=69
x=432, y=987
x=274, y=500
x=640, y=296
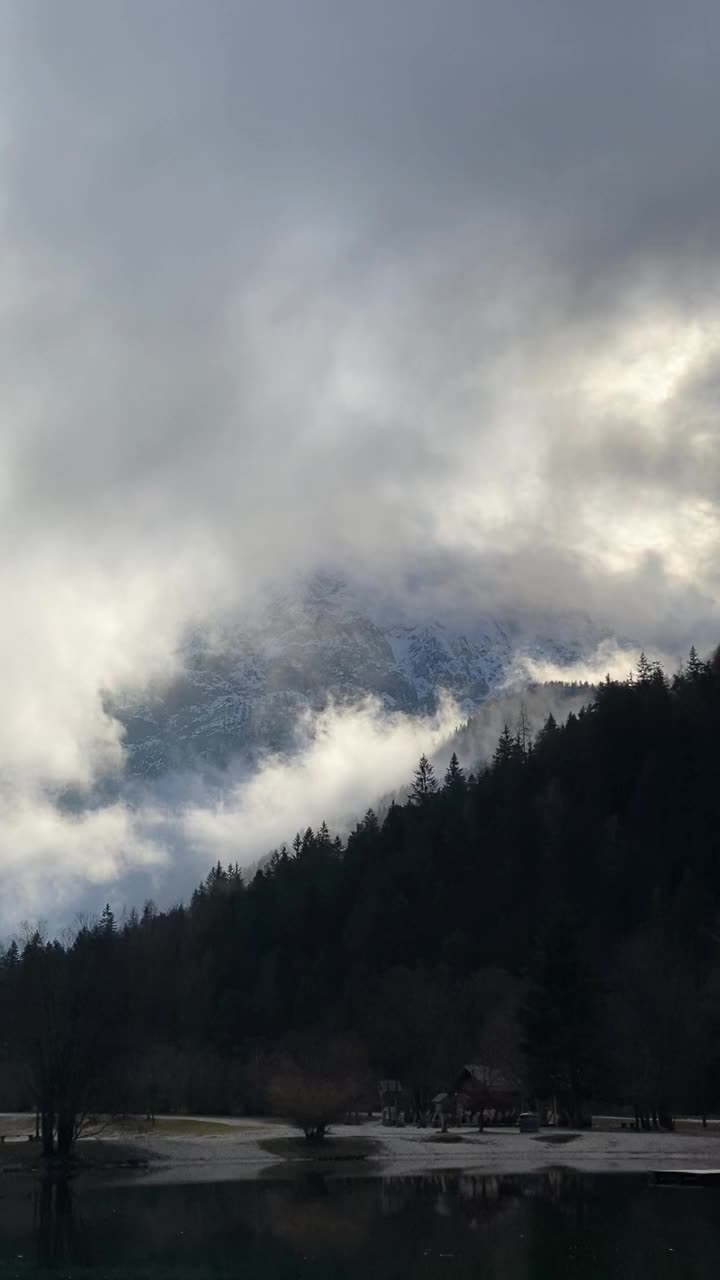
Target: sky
x=427, y=288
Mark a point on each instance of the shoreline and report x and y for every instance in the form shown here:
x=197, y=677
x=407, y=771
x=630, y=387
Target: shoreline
x=204, y=1149
x=238, y=1155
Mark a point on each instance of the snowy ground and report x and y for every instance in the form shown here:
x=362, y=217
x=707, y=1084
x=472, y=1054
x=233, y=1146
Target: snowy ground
x=211, y=1148
x=237, y=1153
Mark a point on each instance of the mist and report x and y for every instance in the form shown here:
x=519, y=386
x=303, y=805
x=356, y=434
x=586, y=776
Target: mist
x=158, y=842
x=426, y=294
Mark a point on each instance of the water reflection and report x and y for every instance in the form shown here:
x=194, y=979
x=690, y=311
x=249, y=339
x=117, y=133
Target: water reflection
x=543, y=1227
x=54, y=1221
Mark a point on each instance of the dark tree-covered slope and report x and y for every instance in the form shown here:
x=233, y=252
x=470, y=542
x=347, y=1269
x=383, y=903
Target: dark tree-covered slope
x=562, y=904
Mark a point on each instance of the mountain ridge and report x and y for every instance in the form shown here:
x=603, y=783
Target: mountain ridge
x=243, y=686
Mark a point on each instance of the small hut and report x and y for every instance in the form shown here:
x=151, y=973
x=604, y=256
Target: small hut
x=483, y=1090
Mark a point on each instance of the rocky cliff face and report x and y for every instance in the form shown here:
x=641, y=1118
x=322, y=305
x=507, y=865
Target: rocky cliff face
x=242, y=689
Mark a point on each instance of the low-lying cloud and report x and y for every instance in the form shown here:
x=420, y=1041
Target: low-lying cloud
x=608, y=658
x=425, y=292
x=55, y=861
x=159, y=843
x=352, y=756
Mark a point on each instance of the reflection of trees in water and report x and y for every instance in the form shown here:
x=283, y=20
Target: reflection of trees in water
x=449, y=1193
x=58, y=1226
x=509, y=1227
x=326, y=1226
x=369, y=1219
x=319, y=1214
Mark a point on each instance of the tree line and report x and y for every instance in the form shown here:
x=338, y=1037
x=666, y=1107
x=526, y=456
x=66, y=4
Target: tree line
x=554, y=913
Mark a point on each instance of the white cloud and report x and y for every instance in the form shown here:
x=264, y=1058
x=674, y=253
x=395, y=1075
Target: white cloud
x=608, y=659
x=348, y=758
x=351, y=757
x=50, y=857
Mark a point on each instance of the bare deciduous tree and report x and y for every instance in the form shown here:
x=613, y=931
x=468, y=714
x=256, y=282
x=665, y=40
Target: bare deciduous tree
x=315, y=1085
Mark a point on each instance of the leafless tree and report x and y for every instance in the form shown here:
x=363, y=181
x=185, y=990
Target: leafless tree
x=315, y=1085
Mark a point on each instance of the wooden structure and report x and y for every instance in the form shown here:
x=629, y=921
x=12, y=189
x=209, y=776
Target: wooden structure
x=442, y=1110
x=484, y=1091
x=393, y=1102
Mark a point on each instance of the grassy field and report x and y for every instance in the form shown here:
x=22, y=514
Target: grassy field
x=177, y=1127
x=104, y=1143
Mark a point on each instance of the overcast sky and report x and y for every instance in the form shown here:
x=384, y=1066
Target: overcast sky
x=394, y=283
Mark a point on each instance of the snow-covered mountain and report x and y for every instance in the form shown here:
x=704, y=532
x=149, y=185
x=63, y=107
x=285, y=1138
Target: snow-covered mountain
x=243, y=686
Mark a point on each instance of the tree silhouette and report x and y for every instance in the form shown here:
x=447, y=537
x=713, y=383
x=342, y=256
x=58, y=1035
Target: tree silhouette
x=424, y=782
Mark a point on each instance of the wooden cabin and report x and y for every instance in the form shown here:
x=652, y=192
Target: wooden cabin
x=489, y=1093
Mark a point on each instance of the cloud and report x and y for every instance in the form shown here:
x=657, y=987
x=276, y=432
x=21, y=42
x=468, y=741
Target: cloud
x=161, y=842
x=52, y=858
x=427, y=291
x=608, y=659
x=351, y=756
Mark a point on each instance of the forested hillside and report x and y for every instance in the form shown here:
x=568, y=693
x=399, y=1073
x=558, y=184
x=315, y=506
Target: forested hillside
x=556, y=914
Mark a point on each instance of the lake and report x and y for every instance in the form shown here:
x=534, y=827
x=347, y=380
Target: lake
x=455, y=1226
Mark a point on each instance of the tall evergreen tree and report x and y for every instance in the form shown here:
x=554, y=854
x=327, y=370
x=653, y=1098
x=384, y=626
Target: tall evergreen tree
x=454, y=774
x=107, y=920
x=424, y=782
x=504, y=750
x=695, y=668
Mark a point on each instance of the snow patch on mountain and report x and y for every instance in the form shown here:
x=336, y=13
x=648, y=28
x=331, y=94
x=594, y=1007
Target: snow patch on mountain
x=245, y=684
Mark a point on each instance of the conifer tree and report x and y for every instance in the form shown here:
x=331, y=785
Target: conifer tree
x=454, y=774
x=107, y=920
x=644, y=669
x=370, y=823
x=424, y=782
x=504, y=750
x=694, y=668
x=549, y=729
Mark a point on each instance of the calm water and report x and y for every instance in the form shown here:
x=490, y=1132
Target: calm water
x=454, y=1227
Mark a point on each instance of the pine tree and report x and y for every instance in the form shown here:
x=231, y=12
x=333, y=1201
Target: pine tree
x=424, y=782
x=549, y=731
x=107, y=920
x=695, y=667
x=149, y=911
x=370, y=823
x=454, y=774
x=644, y=669
x=505, y=748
